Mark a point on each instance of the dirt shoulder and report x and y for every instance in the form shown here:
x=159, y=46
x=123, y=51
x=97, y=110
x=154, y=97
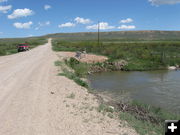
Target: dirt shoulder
x=35, y=101
x=85, y=105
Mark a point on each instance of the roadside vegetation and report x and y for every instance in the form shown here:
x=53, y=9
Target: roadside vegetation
x=9, y=46
x=80, y=69
x=144, y=118
x=68, y=72
x=140, y=56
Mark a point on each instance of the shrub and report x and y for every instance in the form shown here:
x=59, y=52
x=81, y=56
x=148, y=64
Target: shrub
x=80, y=69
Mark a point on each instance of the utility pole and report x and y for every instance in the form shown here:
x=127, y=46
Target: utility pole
x=98, y=33
x=163, y=55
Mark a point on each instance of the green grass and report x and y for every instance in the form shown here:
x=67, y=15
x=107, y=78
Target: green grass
x=157, y=112
x=142, y=123
x=80, y=69
x=104, y=108
x=69, y=74
x=142, y=127
x=140, y=56
x=58, y=63
x=73, y=77
x=9, y=46
x=110, y=115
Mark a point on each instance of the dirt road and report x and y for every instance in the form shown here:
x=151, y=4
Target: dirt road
x=35, y=101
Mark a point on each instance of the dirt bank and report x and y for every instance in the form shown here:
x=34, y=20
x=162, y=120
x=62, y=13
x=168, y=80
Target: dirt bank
x=88, y=58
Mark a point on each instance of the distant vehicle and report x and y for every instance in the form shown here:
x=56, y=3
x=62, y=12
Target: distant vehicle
x=23, y=47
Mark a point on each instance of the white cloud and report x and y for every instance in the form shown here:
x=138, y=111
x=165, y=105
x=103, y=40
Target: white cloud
x=82, y=20
x=47, y=7
x=30, y=35
x=161, y=2
x=102, y=26
x=48, y=23
x=42, y=24
x=20, y=13
x=23, y=25
x=5, y=9
x=1, y=33
x=68, y=24
x=128, y=20
x=126, y=27
x=3, y=1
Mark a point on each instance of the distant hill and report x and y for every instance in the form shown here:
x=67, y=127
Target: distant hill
x=120, y=35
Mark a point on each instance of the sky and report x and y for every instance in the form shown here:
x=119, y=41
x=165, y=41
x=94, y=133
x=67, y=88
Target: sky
x=25, y=18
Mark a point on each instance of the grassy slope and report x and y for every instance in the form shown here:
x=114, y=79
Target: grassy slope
x=67, y=67
x=120, y=36
x=151, y=122
x=9, y=45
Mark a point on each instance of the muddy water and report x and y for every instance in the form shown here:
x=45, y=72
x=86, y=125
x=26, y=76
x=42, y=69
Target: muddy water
x=157, y=88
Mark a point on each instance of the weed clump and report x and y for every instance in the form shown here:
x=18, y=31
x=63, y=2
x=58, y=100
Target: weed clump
x=80, y=69
x=69, y=74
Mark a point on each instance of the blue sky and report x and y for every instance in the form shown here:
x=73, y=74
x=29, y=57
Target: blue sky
x=22, y=18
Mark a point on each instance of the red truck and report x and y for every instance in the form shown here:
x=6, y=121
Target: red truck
x=23, y=47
